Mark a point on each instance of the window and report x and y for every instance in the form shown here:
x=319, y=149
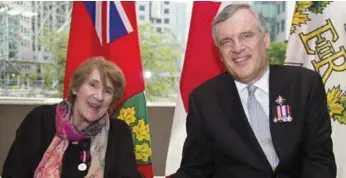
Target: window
x=278, y=8
x=283, y=6
x=282, y=25
x=34, y=25
x=169, y=30
x=277, y=27
x=141, y=8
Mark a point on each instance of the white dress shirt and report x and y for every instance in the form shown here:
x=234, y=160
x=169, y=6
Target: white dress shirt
x=261, y=94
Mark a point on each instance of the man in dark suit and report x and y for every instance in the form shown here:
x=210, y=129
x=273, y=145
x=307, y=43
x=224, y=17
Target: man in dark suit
x=256, y=120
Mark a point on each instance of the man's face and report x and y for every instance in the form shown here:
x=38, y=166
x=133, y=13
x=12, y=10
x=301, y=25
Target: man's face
x=243, y=48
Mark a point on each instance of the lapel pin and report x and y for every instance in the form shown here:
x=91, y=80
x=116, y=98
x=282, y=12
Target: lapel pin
x=280, y=100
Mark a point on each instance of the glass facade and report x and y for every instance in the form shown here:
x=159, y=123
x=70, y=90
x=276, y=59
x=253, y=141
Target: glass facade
x=269, y=11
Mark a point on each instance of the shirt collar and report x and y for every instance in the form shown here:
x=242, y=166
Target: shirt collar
x=262, y=83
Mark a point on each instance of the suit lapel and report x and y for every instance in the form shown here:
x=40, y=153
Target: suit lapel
x=230, y=103
x=278, y=130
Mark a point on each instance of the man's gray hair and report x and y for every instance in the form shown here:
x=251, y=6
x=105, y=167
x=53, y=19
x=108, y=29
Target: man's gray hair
x=228, y=12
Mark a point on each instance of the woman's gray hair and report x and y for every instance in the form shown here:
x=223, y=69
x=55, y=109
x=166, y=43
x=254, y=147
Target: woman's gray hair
x=228, y=12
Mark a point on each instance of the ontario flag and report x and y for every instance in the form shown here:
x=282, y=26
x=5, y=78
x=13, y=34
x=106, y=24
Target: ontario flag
x=317, y=42
x=201, y=63
x=109, y=29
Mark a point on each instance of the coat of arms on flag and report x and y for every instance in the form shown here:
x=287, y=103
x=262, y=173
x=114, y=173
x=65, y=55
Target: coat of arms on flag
x=317, y=42
x=328, y=60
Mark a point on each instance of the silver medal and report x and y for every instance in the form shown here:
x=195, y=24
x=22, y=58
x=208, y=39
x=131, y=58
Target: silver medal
x=82, y=167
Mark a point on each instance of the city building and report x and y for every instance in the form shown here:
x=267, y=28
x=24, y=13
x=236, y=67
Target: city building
x=171, y=16
x=269, y=11
x=285, y=11
x=22, y=28
x=278, y=15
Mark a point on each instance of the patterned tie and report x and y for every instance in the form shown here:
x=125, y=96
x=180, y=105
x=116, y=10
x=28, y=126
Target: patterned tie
x=260, y=126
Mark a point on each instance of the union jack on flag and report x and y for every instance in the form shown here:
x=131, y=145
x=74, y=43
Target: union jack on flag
x=109, y=20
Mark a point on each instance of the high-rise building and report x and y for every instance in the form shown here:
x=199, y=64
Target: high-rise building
x=23, y=24
x=285, y=11
x=268, y=9
x=170, y=16
x=278, y=15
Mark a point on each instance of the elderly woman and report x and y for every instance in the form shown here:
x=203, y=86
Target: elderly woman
x=76, y=138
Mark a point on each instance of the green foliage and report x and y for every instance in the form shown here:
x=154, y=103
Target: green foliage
x=32, y=76
x=56, y=46
x=318, y=6
x=49, y=75
x=22, y=77
x=277, y=52
x=158, y=56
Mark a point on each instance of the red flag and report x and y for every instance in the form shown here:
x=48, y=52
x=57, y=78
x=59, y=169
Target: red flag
x=201, y=63
x=109, y=29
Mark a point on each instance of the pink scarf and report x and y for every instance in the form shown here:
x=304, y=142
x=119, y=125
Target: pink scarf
x=51, y=162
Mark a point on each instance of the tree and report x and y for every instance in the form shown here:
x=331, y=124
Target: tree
x=56, y=45
x=277, y=52
x=159, y=52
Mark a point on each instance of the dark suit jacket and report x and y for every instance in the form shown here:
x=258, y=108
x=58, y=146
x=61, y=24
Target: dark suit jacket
x=36, y=133
x=221, y=144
